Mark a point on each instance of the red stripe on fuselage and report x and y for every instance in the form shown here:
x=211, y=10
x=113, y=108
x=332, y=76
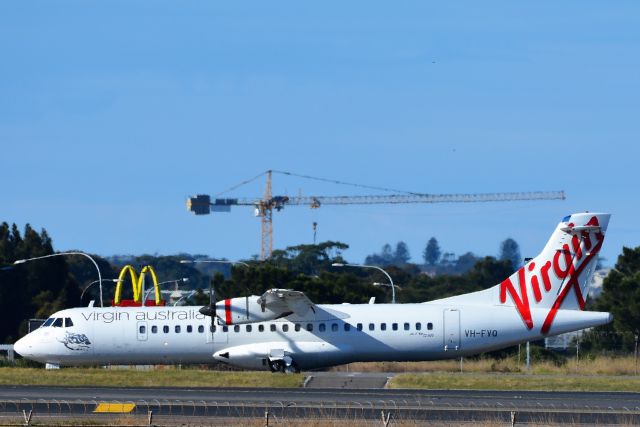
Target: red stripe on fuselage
x=227, y=311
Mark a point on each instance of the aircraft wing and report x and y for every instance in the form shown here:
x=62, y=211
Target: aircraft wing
x=287, y=300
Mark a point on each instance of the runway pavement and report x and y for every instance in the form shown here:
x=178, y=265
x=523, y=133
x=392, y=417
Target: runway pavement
x=421, y=405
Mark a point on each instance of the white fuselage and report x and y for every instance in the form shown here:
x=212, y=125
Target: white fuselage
x=543, y=297
x=333, y=335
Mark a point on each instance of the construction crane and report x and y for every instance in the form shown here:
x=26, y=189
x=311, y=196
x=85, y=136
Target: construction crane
x=202, y=204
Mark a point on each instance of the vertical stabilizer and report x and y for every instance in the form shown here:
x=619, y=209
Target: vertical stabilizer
x=558, y=277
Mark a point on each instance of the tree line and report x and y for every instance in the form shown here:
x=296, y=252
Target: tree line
x=37, y=289
x=435, y=262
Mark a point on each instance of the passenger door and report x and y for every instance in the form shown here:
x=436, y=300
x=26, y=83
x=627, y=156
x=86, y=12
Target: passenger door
x=451, y=329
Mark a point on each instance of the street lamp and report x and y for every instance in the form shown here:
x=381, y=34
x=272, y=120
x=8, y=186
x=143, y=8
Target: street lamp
x=215, y=261
x=22, y=261
x=184, y=279
x=93, y=283
x=386, y=284
x=393, y=287
x=189, y=295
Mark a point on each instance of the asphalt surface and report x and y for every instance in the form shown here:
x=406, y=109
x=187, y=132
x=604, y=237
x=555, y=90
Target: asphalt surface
x=621, y=401
x=433, y=405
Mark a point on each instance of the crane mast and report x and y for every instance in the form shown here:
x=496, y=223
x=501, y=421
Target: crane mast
x=203, y=205
x=265, y=211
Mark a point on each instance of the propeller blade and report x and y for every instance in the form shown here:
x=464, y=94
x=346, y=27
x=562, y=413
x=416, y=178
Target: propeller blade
x=210, y=310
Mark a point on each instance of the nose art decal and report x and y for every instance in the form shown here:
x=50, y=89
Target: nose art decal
x=76, y=342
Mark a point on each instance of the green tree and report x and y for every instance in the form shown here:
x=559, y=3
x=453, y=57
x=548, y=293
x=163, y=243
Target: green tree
x=431, y=253
x=34, y=288
x=309, y=259
x=621, y=297
x=510, y=251
x=401, y=255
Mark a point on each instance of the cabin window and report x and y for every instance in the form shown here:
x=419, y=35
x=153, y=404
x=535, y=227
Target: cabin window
x=67, y=322
x=212, y=328
x=372, y=327
x=154, y=329
x=189, y=329
x=165, y=329
x=236, y=328
x=394, y=326
x=383, y=326
x=225, y=328
x=334, y=327
x=406, y=326
x=249, y=328
x=359, y=326
x=418, y=326
x=57, y=323
x=429, y=326
x=273, y=327
x=347, y=327
x=297, y=327
x=285, y=328
x=201, y=329
x=177, y=329
x=261, y=328
x=310, y=327
x=143, y=329
x=322, y=327
x=48, y=322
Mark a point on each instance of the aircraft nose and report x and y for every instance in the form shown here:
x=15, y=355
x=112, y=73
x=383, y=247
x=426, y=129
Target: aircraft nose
x=22, y=347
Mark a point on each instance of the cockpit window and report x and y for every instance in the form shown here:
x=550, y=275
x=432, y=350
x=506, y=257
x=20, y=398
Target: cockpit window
x=57, y=323
x=48, y=322
x=67, y=322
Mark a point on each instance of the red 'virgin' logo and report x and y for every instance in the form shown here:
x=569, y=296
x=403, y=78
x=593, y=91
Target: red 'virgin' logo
x=563, y=268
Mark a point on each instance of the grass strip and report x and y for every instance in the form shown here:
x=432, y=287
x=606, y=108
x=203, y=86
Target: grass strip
x=493, y=381
x=148, y=378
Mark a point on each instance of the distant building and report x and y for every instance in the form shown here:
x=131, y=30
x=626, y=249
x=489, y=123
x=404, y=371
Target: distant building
x=563, y=341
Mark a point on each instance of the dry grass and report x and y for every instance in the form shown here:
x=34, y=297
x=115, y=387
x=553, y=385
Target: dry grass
x=598, y=366
x=497, y=381
x=154, y=378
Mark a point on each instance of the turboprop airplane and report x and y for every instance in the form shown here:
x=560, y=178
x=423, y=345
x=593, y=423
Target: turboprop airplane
x=282, y=330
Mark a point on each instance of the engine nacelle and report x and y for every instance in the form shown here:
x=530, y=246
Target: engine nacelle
x=249, y=309
x=260, y=357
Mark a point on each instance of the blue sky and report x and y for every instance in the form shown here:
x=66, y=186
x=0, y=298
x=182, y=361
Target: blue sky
x=113, y=113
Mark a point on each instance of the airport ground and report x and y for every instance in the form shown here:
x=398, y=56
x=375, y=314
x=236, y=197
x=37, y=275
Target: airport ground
x=596, y=374
x=485, y=393
x=311, y=406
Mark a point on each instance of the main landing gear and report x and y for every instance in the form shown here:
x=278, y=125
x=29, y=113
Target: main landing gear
x=286, y=365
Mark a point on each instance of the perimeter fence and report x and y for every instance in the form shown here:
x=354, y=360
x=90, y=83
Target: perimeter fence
x=385, y=411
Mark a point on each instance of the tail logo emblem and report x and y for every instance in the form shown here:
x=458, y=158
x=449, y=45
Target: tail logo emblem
x=563, y=267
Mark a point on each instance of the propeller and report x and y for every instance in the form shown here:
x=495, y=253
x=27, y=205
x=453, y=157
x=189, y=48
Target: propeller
x=210, y=310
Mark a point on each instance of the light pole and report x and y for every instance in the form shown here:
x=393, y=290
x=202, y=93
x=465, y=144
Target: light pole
x=393, y=287
x=184, y=279
x=93, y=283
x=183, y=297
x=214, y=261
x=22, y=261
x=387, y=285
